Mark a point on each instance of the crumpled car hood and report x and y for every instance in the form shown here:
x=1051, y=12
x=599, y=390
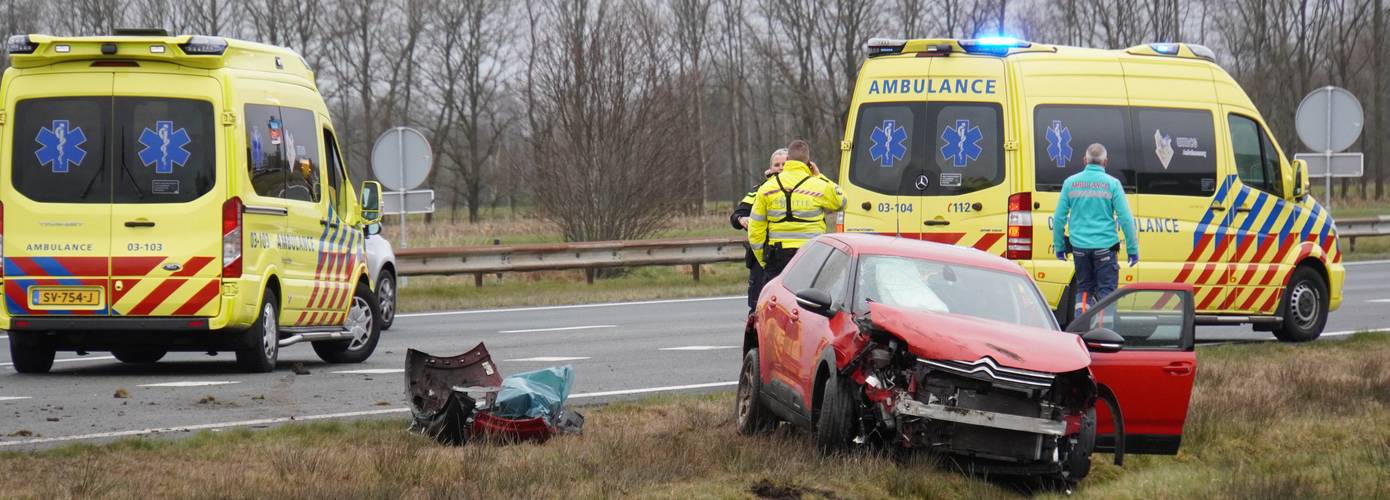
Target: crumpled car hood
x=957, y=337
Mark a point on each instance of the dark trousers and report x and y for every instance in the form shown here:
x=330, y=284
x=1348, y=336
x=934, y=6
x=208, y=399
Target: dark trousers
x=755, y=285
x=1097, y=275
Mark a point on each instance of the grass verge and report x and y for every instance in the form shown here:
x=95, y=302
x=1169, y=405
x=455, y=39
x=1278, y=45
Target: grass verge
x=1267, y=421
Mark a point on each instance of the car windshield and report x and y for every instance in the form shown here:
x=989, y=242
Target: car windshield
x=934, y=286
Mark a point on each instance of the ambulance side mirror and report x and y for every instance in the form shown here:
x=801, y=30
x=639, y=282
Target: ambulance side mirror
x=1300, y=180
x=371, y=201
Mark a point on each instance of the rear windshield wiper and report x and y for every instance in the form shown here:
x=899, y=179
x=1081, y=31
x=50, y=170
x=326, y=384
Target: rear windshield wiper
x=140, y=194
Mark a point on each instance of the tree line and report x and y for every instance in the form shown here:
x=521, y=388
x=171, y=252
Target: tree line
x=611, y=116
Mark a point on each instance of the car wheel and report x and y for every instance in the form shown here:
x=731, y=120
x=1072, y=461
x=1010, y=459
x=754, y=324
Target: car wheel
x=363, y=326
x=30, y=354
x=139, y=356
x=752, y=416
x=1305, y=307
x=261, y=344
x=836, y=426
x=386, y=297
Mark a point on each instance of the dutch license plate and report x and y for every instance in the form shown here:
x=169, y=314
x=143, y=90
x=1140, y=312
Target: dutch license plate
x=65, y=296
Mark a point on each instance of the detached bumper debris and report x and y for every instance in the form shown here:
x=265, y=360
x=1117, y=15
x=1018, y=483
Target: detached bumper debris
x=457, y=398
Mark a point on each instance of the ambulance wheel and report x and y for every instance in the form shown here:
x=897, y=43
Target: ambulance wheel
x=139, y=356
x=386, y=293
x=363, y=326
x=261, y=344
x=1305, y=307
x=30, y=354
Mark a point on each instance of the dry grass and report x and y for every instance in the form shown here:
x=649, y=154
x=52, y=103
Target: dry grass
x=1267, y=421
x=506, y=229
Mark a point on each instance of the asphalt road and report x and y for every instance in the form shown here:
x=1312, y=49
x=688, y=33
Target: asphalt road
x=618, y=351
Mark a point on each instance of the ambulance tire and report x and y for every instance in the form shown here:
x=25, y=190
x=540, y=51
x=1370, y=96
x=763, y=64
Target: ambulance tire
x=364, y=314
x=1304, y=307
x=30, y=354
x=261, y=343
x=139, y=356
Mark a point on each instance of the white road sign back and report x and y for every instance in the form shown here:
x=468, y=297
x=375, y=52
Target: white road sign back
x=402, y=158
x=1329, y=120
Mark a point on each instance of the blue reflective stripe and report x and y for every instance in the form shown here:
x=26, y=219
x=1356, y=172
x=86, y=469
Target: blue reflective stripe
x=1250, y=219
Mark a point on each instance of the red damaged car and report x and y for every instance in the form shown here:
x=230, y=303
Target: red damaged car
x=877, y=340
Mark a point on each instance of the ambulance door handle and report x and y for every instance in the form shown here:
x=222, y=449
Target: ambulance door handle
x=937, y=223
x=326, y=222
x=139, y=223
x=1218, y=208
x=1243, y=210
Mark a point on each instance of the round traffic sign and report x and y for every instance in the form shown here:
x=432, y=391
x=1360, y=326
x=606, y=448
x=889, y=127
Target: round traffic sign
x=1329, y=119
x=401, y=158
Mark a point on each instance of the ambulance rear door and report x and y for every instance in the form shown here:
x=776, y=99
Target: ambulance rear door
x=57, y=196
x=934, y=144
x=167, y=195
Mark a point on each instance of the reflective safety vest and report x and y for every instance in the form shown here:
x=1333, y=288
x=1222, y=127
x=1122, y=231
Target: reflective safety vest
x=790, y=208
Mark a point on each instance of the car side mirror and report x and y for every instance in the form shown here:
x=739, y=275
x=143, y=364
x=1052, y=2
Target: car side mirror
x=371, y=201
x=816, y=301
x=1103, y=340
x=374, y=229
x=1300, y=180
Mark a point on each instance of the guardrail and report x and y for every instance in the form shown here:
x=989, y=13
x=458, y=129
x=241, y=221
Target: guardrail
x=1362, y=227
x=588, y=256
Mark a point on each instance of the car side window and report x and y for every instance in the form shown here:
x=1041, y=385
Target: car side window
x=1273, y=171
x=335, y=172
x=1176, y=153
x=1061, y=135
x=834, y=276
x=1147, y=319
x=798, y=276
x=265, y=152
x=1245, y=144
x=301, y=141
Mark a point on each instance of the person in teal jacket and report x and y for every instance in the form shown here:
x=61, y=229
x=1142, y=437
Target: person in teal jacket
x=1090, y=205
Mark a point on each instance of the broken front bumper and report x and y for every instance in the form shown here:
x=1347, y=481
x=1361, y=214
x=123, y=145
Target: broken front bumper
x=981, y=418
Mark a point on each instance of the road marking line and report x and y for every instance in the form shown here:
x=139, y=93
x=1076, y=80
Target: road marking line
x=373, y=371
x=69, y=360
x=1379, y=301
x=306, y=418
x=576, y=306
x=1343, y=333
x=1366, y=262
x=4, y=336
x=652, y=389
x=550, y=359
x=191, y=383
x=698, y=348
x=13, y=398
x=561, y=329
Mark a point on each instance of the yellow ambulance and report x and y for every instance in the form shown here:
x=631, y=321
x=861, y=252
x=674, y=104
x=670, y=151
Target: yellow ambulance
x=967, y=142
x=180, y=193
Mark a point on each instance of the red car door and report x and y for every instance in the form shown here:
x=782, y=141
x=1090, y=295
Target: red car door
x=779, y=321
x=1151, y=376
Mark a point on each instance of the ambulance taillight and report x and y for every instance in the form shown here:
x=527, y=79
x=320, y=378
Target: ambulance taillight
x=231, y=238
x=1020, y=236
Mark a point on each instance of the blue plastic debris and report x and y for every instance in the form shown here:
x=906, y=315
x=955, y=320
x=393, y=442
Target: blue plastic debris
x=535, y=394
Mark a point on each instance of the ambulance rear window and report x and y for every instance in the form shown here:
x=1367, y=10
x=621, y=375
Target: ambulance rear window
x=927, y=149
x=60, y=150
x=1061, y=135
x=164, y=150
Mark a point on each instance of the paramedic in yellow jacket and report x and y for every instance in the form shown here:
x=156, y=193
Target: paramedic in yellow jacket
x=789, y=209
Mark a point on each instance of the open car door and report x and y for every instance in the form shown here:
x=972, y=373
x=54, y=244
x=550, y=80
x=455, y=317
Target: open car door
x=1150, y=377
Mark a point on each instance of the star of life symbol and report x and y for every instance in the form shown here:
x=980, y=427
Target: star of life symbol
x=890, y=143
x=164, y=147
x=1059, y=143
x=962, y=143
x=1163, y=147
x=61, y=146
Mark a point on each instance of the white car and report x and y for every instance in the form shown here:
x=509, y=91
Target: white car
x=381, y=265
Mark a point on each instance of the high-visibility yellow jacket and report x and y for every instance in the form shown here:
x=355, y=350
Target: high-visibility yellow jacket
x=811, y=198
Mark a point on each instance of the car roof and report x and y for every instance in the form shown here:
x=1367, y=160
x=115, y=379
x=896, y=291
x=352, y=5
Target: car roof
x=873, y=244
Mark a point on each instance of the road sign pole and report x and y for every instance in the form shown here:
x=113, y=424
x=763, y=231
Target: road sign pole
x=1327, y=154
x=400, y=145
